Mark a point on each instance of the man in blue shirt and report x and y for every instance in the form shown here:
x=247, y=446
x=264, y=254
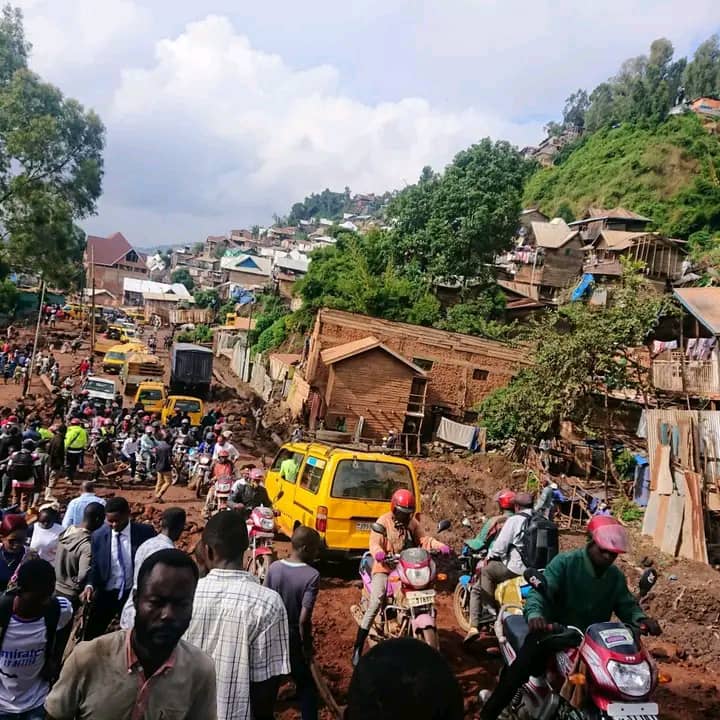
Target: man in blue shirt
x=76, y=507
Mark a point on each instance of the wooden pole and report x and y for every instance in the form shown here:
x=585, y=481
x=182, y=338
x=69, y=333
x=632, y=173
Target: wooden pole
x=35, y=341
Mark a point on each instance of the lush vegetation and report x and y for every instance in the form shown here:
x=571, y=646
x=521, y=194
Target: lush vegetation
x=200, y=334
x=50, y=166
x=182, y=276
x=581, y=351
x=207, y=299
x=328, y=204
x=668, y=173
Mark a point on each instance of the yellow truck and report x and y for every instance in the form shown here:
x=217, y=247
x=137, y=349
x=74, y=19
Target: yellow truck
x=141, y=367
x=152, y=395
x=338, y=491
x=114, y=335
x=191, y=405
x=116, y=356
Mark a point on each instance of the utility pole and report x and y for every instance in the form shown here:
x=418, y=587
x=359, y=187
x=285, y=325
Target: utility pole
x=31, y=367
x=92, y=321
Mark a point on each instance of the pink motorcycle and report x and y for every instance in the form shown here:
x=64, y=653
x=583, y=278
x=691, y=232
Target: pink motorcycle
x=409, y=609
x=261, y=532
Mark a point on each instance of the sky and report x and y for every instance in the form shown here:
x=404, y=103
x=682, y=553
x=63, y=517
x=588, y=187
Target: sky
x=222, y=112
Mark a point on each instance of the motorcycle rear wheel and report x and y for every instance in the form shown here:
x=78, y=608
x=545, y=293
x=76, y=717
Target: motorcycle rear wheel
x=461, y=606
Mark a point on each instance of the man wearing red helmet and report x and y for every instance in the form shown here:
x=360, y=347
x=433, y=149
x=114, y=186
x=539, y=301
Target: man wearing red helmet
x=483, y=541
x=582, y=587
x=402, y=532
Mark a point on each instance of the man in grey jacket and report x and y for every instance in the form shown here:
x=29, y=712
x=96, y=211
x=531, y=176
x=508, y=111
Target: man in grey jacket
x=72, y=563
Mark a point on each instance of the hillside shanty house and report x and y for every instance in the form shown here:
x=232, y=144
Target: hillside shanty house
x=248, y=271
x=548, y=260
x=687, y=361
x=663, y=258
x=597, y=219
x=114, y=260
x=456, y=373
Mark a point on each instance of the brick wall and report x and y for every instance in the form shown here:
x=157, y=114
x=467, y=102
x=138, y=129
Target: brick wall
x=463, y=369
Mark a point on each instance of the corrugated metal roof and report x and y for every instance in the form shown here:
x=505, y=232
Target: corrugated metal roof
x=135, y=285
x=358, y=347
x=621, y=239
x=552, y=235
x=703, y=303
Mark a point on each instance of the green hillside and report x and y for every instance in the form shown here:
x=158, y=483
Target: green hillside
x=669, y=173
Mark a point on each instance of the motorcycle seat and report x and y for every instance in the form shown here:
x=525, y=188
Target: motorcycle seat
x=516, y=631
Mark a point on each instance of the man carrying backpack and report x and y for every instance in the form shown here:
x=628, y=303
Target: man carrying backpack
x=29, y=620
x=507, y=557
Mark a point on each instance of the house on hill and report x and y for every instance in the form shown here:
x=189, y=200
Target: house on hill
x=249, y=271
x=597, y=219
x=548, y=260
x=112, y=259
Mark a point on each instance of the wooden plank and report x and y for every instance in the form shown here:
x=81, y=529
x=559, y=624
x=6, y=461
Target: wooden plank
x=664, y=474
x=673, y=524
x=663, y=504
x=651, y=515
x=692, y=545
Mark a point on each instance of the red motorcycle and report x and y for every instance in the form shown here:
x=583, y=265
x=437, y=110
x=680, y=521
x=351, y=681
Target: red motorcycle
x=616, y=673
x=261, y=532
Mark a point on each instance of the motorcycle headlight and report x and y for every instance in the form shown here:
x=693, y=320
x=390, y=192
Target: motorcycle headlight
x=418, y=577
x=633, y=680
x=266, y=524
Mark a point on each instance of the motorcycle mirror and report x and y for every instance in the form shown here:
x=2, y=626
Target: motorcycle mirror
x=647, y=581
x=443, y=525
x=536, y=580
x=466, y=523
x=379, y=529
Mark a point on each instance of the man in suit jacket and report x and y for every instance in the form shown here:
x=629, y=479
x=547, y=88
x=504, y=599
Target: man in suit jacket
x=111, y=568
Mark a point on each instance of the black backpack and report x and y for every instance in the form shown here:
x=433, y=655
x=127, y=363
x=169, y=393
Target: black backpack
x=51, y=617
x=539, y=542
x=23, y=466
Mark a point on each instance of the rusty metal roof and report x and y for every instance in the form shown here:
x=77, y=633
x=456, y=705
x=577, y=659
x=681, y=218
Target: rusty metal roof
x=358, y=347
x=703, y=303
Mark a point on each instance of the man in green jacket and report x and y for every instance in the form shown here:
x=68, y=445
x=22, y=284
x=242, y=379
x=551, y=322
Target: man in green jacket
x=582, y=587
x=76, y=440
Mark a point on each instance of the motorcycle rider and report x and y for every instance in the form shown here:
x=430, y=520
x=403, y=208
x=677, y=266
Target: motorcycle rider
x=147, y=445
x=505, y=561
x=582, y=587
x=249, y=495
x=483, y=541
x=222, y=467
x=402, y=532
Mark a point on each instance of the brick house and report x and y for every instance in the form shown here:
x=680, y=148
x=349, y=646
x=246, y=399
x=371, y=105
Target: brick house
x=114, y=260
x=248, y=271
x=440, y=373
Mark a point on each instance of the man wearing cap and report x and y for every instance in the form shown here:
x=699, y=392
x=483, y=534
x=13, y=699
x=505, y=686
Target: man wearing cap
x=582, y=587
x=505, y=561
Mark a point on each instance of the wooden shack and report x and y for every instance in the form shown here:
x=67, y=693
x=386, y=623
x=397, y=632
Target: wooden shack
x=369, y=380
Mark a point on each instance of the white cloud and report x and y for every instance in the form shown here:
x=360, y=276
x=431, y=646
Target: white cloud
x=79, y=33
x=264, y=132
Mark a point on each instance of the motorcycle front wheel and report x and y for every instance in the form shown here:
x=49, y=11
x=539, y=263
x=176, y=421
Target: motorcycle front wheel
x=461, y=606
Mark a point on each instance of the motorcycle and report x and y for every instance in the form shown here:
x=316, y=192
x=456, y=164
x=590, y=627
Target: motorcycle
x=223, y=488
x=261, y=532
x=409, y=609
x=471, y=562
x=182, y=460
x=200, y=473
x=600, y=674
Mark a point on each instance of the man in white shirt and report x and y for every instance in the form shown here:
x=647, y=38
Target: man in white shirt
x=76, y=507
x=223, y=443
x=29, y=621
x=173, y=524
x=240, y=624
x=129, y=451
x=505, y=562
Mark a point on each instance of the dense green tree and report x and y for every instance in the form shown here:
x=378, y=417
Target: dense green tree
x=702, y=74
x=50, y=165
x=453, y=224
x=181, y=275
x=576, y=106
x=206, y=298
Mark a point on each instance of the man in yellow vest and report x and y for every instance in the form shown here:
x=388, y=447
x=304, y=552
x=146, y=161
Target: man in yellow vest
x=76, y=440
